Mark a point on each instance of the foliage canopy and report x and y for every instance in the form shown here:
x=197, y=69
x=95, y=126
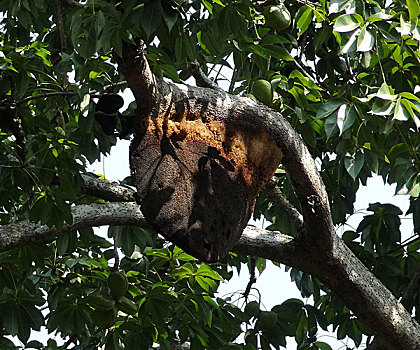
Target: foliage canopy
x=345, y=74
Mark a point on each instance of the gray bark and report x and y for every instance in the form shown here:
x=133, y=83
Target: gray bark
x=365, y=295
x=321, y=252
x=317, y=249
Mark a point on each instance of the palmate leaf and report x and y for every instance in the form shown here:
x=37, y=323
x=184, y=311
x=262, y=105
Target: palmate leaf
x=22, y=313
x=70, y=317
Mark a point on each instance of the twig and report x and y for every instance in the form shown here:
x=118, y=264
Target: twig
x=233, y=80
x=201, y=79
x=117, y=256
x=60, y=25
x=93, y=94
x=252, y=278
x=277, y=196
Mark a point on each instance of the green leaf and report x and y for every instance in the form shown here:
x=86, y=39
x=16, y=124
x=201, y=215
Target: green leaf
x=365, y=40
x=385, y=92
x=152, y=14
x=303, y=18
x=383, y=107
x=171, y=72
x=346, y=115
x=170, y=17
x=347, y=23
x=354, y=163
x=401, y=112
x=338, y=5
x=348, y=43
x=328, y=108
x=322, y=346
x=413, y=9
x=206, y=271
x=206, y=283
x=301, y=328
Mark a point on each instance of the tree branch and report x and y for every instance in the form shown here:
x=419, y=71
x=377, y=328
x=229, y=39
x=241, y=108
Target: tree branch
x=88, y=215
x=136, y=69
x=407, y=300
x=321, y=252
x=201, y=79
x=107, y=191
x=346, y=275
x=280, y=201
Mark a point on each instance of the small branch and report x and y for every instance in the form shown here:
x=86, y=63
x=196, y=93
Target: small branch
x=201, y=79
x=280, y=201
x=252, y=278
x=106, y=190
x=93, y=94
x=117, y=256
x=233, y=81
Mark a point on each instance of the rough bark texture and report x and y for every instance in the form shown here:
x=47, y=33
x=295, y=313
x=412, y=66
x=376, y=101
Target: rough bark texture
x=320, y=251
x=197, y=171
x=317, y=250
x=108, y=191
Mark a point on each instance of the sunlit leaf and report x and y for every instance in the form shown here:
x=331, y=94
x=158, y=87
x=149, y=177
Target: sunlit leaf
x=365, y=41
x=385, y=92
x=347, y=23
x=303, y=18
x=346, y=115
x=338, y=5
x=413, y=9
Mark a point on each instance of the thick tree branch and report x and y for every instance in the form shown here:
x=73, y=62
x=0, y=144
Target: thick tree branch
x=137, y=71
x=90, y=215
x=407, y=300
x=321, y=252
x=106, y=190
x=253, y=240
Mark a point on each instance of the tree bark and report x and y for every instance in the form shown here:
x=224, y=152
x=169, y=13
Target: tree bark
x=365, y=295
x=321, y=252
x=317, y=249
